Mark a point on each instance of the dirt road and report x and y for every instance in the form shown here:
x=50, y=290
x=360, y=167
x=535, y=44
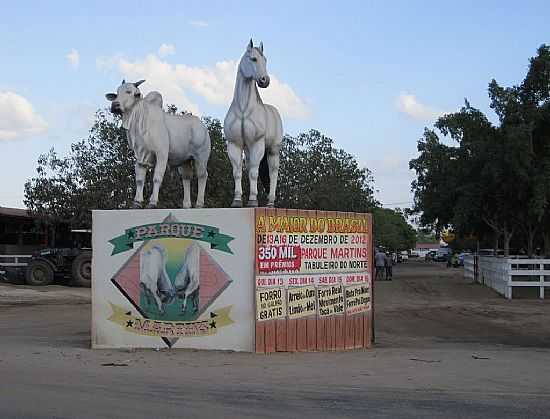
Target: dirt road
x=444, y=349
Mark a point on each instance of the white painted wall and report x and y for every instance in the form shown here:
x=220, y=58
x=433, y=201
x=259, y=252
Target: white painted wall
x=238, y=223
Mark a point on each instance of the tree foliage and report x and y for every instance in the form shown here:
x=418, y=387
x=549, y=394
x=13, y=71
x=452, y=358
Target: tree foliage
x=98, y=173
x=392, y=231
x=495, y=179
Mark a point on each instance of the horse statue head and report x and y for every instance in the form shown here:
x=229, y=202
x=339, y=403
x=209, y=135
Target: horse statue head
x=253, y=65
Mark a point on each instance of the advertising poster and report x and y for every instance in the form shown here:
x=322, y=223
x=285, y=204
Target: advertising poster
x=322, y=260
x=175, y=278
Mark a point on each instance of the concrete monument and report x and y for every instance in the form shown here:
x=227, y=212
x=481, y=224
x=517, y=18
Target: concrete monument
x=254, y=127
x=160, y=139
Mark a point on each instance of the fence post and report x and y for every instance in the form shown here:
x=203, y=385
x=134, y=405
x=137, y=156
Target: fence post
x=509, y=281
x=541, y=278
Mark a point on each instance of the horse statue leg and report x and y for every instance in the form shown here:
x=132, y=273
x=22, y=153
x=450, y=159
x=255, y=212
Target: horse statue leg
x=186, y=171
x=141, y=172
x=235, y=152
x=158, y=175
x=256, y=152
x=273, y=164
x=202, y=176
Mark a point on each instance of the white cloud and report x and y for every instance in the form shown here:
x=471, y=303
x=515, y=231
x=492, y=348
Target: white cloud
x=199, y=23
x=166, y=49
x=18, y=120
x=73, y=58
x=214, y=83
x=408, y=104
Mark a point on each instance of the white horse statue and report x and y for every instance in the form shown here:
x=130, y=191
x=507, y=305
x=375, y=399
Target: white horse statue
x=253, y=126
x=159, y=138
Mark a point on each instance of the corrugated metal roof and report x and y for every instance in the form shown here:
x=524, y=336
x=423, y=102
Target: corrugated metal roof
x=15, y=212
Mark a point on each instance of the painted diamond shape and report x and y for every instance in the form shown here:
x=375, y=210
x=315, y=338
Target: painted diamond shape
x=133, y=281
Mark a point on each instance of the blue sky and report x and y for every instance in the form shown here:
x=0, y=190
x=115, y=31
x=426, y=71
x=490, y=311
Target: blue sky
x=371, y=75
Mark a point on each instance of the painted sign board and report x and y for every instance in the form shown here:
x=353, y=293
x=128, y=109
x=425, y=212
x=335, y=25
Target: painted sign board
x=238, y=279
x=177, y=278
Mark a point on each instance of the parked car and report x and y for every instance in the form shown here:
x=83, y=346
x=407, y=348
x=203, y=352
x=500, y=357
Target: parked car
x=430, y=255
x=404, y=255
x=461, y=257
x=443, y=254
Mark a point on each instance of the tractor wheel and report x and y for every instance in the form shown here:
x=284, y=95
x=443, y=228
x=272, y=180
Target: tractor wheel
x=82, y=270
x=39, y=272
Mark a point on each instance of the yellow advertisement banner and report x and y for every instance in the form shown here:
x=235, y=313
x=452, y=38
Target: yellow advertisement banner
x=170, y=329
x=330, y=300
x=357, y=299
x=270, y=303
x=301, y=302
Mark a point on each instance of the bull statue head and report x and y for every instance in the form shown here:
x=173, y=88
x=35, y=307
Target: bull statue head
x=126, y=96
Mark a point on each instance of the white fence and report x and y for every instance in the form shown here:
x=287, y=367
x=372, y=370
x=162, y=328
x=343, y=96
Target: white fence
x=503, y=274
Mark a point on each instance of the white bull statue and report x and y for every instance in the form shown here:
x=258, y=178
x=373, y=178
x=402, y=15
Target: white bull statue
x=159, y=139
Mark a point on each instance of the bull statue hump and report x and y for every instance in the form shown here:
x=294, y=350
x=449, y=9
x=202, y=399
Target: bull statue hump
x=159, y=139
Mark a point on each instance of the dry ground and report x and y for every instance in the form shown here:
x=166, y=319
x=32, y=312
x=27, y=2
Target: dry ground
x=445, y=349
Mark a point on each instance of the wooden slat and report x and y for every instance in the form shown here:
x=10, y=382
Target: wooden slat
x=321, y=334
x=301, y=335
x=349, y=337
x=329, y=331
x=280, y=345
x=291, y=335
x=260, y=337
x=311, y=334
x=270, y=336
x=359, y=331
x=340, y=332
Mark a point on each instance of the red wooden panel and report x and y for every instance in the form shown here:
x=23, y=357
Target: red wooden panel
x=321, y=334
x=291, y=335
x=270, y=336
x=349, y=336
x=340, y=332
x=329, y=332
x=281, y=335
x=311, y=333
x=260, y=337
x=301, y=335
x=359, y=330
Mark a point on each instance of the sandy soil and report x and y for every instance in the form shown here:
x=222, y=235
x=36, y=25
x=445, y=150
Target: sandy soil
x=445, y=349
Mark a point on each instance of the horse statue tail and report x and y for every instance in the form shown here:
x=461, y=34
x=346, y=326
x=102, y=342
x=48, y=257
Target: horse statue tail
x=264, y=173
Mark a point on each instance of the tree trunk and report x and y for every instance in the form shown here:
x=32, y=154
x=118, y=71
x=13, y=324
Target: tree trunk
x=495, y=248
x=531, y=233
x=507, y=237
x=546, y=237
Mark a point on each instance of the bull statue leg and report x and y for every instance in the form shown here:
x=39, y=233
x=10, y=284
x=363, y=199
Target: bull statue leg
x=141, y=172
x=158, y=175
x=186, y=171
x=256, y=153
x=273, y=164
x=235, y=152
x=202, y=176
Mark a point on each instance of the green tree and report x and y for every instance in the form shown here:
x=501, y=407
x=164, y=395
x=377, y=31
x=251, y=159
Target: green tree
x=392, y=231
x=98, y=173
x=315, y=175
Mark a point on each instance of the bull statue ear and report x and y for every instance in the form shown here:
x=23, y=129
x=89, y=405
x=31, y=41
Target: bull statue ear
x=110, y=96
x=250, y=44
x=139, y=82
x=261, y=47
